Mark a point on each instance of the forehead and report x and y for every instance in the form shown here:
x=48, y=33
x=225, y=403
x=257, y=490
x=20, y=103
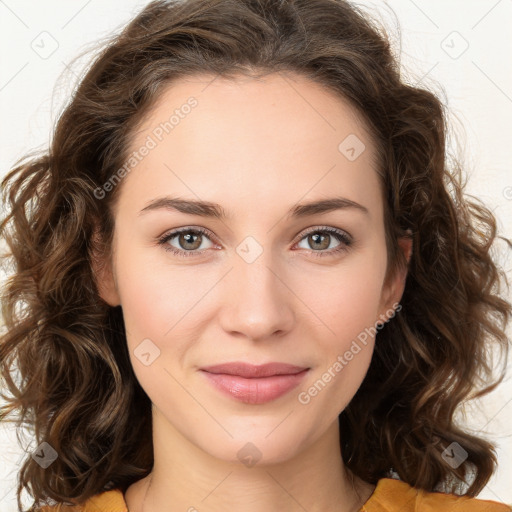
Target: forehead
x=262, y=104
x=256, y=138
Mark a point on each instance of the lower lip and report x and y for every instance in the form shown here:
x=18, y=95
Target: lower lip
x=256, y=390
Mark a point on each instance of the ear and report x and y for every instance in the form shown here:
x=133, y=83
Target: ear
x=393, y=290
x=103, y=272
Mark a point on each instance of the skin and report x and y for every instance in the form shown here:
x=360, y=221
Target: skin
x=257, y=147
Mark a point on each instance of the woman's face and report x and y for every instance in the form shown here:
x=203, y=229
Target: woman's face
x=265, y=283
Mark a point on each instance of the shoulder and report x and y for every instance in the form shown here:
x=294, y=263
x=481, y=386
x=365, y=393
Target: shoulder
x=108, y=501
x=394, y=495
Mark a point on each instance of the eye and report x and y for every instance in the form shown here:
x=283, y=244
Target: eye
x=190, y=240
x=320, y=238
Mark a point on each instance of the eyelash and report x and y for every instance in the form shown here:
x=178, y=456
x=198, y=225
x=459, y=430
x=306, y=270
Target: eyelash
x=341, y=236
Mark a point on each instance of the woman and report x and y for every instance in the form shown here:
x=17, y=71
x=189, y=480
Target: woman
x=186, y=344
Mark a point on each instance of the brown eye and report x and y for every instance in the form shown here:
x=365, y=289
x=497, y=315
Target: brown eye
x=320, y=239
x=188, y=241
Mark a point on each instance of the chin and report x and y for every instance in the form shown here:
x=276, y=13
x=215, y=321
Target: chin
x=249, y=448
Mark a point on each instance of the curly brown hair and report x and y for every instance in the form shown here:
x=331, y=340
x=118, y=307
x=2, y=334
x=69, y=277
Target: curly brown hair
x=78, y=391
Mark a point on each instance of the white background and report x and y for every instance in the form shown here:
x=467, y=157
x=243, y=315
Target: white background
x=434, y=36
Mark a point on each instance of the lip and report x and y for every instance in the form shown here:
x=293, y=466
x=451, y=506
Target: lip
x=249, y=371
x=253, y=384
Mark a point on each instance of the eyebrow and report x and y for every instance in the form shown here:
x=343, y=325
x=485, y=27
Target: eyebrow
x=214, y=210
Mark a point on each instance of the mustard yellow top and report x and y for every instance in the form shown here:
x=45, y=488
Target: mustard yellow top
x=390, y=495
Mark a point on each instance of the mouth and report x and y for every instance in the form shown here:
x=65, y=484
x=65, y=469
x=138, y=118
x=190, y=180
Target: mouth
x=248, y=370
x=253, y=384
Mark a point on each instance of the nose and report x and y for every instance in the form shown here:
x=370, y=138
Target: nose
x=257, y=301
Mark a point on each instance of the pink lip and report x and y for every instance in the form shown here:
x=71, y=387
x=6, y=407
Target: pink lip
x=255, y=384
x=248, y=370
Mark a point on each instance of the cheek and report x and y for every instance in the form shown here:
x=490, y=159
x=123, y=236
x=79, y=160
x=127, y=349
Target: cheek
x=346, y=304
x=344, y=344
x=144, y=300
x=154, y=296
x=345, y=300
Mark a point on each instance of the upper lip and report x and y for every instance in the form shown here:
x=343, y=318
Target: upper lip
x=248, y=370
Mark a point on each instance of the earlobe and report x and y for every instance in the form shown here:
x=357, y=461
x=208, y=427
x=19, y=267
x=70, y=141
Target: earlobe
x=103, y=273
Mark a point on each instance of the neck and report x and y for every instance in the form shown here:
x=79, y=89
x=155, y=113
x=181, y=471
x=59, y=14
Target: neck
x=186, y=478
